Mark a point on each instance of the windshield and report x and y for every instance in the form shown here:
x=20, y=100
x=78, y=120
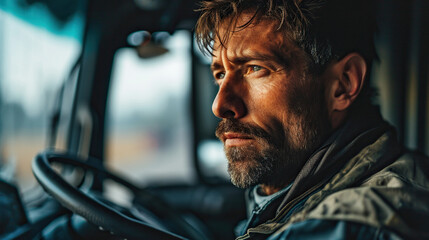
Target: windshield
x=149, y=136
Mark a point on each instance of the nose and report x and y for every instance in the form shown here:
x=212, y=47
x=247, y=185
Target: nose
x=229, y=102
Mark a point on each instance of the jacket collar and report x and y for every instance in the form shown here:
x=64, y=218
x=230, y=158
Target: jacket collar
x=362, y=128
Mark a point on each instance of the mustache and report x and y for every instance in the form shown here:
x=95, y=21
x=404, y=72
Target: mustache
x=232, y=125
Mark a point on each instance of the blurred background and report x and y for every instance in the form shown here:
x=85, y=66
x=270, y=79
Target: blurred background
x=37, y=51
x=153, y=105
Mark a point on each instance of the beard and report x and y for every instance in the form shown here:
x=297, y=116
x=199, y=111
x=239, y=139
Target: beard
x=276, y=160
x=249, y=165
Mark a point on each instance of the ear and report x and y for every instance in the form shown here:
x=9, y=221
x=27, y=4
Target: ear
x=347, y=78
x=350, y=74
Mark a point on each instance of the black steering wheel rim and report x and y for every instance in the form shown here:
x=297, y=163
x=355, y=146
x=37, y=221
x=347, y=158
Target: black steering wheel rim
x=93, y=210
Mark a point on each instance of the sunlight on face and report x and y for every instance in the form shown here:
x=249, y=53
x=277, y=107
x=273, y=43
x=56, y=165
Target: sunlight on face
x=273, y=111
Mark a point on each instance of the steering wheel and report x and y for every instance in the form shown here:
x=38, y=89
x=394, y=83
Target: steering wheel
x=96, y=211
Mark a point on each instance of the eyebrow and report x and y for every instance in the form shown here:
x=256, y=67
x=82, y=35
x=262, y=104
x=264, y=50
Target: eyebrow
x=275, y=56
x=254, y=55
x=215, y=66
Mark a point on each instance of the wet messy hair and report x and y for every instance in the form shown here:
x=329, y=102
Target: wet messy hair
x=325, y=29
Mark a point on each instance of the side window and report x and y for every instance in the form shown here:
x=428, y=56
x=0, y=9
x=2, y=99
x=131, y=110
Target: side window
x=37, y=53
x=149, y=131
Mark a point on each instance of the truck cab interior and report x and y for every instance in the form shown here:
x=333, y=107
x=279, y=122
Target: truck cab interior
x=106, y=130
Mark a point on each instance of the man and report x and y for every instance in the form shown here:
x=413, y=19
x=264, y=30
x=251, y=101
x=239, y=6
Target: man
x=298, y=126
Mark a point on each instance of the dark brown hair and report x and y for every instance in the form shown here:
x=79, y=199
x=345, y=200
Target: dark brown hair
x=324, y=29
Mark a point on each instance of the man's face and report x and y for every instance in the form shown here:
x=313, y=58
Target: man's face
x=273, y=110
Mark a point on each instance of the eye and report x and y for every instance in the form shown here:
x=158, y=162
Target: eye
x=219, y=75
x=256, y=68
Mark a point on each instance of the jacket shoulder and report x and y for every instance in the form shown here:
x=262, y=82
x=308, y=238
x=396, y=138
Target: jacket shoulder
x=409, y=170
x=394, y=198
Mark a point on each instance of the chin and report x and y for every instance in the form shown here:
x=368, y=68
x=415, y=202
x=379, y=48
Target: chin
x=244, y=173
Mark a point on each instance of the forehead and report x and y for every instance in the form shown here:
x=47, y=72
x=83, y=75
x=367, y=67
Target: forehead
x=261, y=36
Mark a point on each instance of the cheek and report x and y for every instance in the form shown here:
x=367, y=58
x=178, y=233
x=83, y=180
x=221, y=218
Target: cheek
x=276, y=114
x=269, y=107
x=269, y=96
x=295, y=132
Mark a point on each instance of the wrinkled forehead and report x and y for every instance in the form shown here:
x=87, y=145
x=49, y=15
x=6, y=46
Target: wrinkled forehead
x=247, y=30
x=254, y=38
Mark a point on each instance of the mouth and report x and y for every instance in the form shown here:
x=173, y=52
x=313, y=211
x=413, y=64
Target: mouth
x=232, y=139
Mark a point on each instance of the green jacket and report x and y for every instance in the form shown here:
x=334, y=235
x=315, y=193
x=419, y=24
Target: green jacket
x=390, y=193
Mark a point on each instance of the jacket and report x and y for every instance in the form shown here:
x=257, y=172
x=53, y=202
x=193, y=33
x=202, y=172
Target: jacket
x=361, y=185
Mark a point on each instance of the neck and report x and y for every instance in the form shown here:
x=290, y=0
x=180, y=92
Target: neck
x=268, y=190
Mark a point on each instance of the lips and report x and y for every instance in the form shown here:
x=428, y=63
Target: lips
x=232, y=139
